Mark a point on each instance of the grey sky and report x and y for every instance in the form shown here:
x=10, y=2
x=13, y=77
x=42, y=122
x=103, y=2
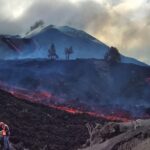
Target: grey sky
x=121, y=23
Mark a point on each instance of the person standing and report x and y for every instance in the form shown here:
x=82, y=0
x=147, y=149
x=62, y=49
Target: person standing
x=4, y=134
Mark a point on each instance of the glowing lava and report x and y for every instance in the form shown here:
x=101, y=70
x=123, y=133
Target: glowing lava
x=48, y=99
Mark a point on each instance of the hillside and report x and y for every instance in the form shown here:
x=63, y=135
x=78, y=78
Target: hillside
x=134, y=135
x=36, y=43
x=91, y=85
x=35, y=126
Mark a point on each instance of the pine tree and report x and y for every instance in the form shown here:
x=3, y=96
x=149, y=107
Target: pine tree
x=52, y=52
x=112, y=55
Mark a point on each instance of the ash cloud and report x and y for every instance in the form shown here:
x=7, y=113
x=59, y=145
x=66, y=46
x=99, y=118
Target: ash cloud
x=121, y=23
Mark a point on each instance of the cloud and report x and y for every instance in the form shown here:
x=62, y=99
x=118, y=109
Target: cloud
x=121, y=23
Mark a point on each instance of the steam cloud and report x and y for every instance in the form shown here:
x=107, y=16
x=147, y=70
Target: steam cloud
x=121, y=23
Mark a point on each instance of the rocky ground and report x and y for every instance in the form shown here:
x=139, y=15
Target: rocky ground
x=37, y=127
x=145, y=145
x=133, y=135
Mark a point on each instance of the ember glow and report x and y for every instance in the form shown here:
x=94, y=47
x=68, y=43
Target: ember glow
x=48, y=99
x=10, y=43
x=53, y=102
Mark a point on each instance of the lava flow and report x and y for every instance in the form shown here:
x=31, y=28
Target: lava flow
x=48, y=99
x=54, y=102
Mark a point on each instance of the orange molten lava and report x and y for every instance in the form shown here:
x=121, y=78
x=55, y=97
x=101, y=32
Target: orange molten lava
x=94, y=114
x=50, y=100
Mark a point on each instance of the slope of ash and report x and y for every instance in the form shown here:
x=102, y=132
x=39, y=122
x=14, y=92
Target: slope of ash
x=133, y=135
x=90, y=84
x=36, y=127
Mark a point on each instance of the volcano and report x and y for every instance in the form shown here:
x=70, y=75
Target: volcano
x=46, y=100
x=35, y=44
x=85, y=84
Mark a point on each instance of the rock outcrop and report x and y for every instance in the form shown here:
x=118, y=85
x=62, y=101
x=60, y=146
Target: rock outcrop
x=133, y=135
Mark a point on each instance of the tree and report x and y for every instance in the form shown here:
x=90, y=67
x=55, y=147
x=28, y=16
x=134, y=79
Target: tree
x=52, y=52
x=112, y=55
x=68, y=52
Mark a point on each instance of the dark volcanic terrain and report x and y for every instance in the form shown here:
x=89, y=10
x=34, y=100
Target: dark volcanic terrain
x=37, y=127
x=92, y=85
